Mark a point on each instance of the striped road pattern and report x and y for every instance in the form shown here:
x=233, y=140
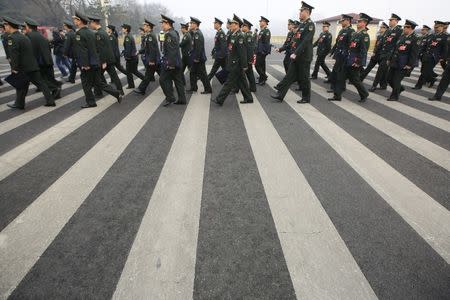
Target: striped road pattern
x=329, y=200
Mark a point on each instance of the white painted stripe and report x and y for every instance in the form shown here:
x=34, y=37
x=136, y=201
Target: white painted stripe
x=430, y=219
x=24, y=240
x=320, y=265
x=24, y=153
x=433, y=152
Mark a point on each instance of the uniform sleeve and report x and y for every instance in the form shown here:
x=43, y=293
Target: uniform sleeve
x=328, y=47
x=307, y=38
x=414, y=54
x=242, y=52
x=14, y=53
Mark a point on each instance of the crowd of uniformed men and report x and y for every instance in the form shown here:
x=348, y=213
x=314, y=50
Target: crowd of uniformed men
x=94, y=50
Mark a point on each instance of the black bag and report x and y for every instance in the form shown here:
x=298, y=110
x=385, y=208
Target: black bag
x=222, y=76
x=18, y=80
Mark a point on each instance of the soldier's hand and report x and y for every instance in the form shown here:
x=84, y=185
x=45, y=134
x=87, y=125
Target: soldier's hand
x=85, y=68
x=244, y=70
x=196, y=60
x=14, y=71
x=293, y=56
x=355, y=65
x=104, y=66
x=151, y=63
x=407, y=68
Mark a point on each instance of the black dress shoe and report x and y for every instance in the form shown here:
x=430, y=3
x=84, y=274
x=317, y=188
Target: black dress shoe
x=417, y=87
x=303, y=101
x=363, y=99
x=57, y=93
x=392, y=99
x=70, y=81
x=206, y=92
x=89, y=105
x=1, y=83
x=122, y=93
x=217, y=102
x=50, y=104
x=262, y=82
x=334, y=98
x=13, y=106
x=167, y=103
x=430, y=85
x=372, y=89
x=382, y=88
x=246, y=102
x=130, y=87
x=434, y=98
x=330, y=91
x=179, y=103
x=402, y=89
x=313, y=77
x=139, y=92
x=277, y=97
x=119, y=98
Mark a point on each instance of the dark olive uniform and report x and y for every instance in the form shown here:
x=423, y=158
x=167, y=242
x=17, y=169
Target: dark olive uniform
x=250, y=47
x=339, y=52
x=150, y=56
x=115, y=46
x=186, y=47
x=68, y=52
x=22, y=60
x=237, y=62
x=287, y=49
x=198, y=58
x=375, y=58
x=405, y=54
x=87, y=56
x=355, y=61
x=219, y=53
x=131, y=58
x=443, y=84
x=390, y=39
x=302, y=47
x=42, y=53
x=436, y=49
x=323, y=45
x=171, y=68
x=263, y=48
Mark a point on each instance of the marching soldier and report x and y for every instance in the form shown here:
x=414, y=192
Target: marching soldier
x=68, y=50
x=43, y=55
x=340, y=50
x=23, y=64
x=323, y=45
x=435, y=52
x=150, y=56
x=171, y=64
x=130, y=54
x=113, y=39
x=186, y=47
x=444, y=62
x=423, y=42
x=219, y=52
x=301, y=57
x=286, y=48
x=263, y=49
x=89, y=62
x=443, y=85
x=105, y=53
x=250, y=46
x=375, y=59
x=389, y=42
x=237, y=64
x=355, y=61
x=403, y=60
x=198, y=57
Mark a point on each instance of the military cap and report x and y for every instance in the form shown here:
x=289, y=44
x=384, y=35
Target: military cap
x=326, y=24
x=196, y=21
x=112, y=27
x=264, y=19
x=306, y=6
x=365, y=17
x=166, y=19
x=127, y=27
x=394, y=16
x=426, y=27
x=11, y=22
x=346, y=17
x=184, y=25
x=149, y=23
x=80, y=16
x=440, y=23
x=228, y=21
x=447, y=23
x=237, y=20
x=384, y=25
x=69, y=24
x=247, y=23
x=94, y=18
x=216, y=20
x=410, y=23
x=31, y=22
x=297, y=23
x=290, y=21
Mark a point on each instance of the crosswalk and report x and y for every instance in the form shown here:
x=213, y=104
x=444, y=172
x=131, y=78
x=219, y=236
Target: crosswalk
x=269, y=200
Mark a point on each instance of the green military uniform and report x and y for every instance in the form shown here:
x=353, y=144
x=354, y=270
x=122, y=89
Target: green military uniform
x=68, y=52
x=443, y=84
x=403, y=61
x=115, y=46
x=171, y=66
x=250, y=47
x=302, y=47
x=390, y=39
x=186, y=47
x=286, y=48
x=323, y=45
x=375, y=58
x=131, y=58
x=198, y=57
x=219, y=52
x=237, y=63
x=263, y=48
x=150, y=56
x=23, y=61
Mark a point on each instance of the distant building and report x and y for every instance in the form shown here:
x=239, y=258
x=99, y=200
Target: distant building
x=336, y=27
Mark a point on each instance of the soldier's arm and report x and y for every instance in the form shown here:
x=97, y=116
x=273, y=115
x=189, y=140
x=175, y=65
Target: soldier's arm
x=223, y=44
x=242, y=53
x=67, y=45
x=14, y=53
x=444, y=48
x=307, y=37
x=414, y=54
x=328, y=48
x=267, y=45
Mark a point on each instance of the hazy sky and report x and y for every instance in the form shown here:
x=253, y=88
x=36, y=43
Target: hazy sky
x=278, y=11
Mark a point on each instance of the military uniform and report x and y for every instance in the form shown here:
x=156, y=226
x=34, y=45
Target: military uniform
x=131, y=58
x=436, y=49
x=186, y=47
x=405, y=54
x=302, y=47
x=115, y=47
x=339, y=52
x=375, y=58
x=171, y=66
x=68, y=52
x=22, y=60
x=390, y=39
x=250, y=47
x=150, y=56
x=198, y=58
x=323, y=45
x=443, y=84
x=237, y=64
x=219, y=52
x=263, y=48
x=286, y=48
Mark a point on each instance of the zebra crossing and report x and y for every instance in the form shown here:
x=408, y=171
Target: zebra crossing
x=263, y=201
